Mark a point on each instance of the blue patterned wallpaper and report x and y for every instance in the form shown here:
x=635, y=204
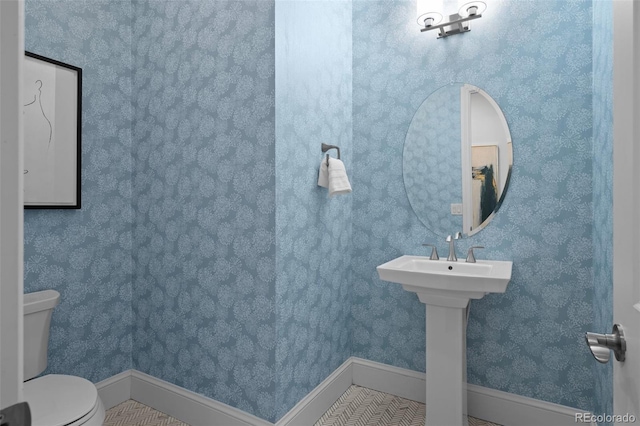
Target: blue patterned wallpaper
x=528, y=341
x=204, y=198
x=86, y=254
x=313, y=232
x=602, y=193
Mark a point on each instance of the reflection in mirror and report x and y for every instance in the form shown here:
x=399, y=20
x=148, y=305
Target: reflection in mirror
x=457, y=159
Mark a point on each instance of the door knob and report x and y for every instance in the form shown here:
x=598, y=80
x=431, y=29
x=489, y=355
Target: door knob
x=601, y=344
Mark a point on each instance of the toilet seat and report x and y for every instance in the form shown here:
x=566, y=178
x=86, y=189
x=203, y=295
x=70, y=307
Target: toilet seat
x=60, y=400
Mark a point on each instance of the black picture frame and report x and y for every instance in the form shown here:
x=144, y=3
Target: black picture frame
x=52, y=133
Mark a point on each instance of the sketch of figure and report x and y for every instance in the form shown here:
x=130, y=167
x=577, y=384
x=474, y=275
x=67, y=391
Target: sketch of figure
x=37, y=103
x=38, y=135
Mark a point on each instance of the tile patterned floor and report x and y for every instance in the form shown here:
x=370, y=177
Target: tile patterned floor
x=358, y=406
x=133, y=413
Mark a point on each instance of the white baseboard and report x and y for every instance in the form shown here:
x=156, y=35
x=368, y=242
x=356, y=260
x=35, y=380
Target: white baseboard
x=115, y=390
x=319, y=400
x=385, y=378
x=514, y=410
x=197, y=410
x=483, y=403
x=188, y=406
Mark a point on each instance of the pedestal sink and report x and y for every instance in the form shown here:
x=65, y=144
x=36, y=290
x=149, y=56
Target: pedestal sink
x=446, y=288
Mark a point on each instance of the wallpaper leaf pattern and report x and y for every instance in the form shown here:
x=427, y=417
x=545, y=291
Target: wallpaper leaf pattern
x=313, y=232
x=204, y=235
x=205, y=254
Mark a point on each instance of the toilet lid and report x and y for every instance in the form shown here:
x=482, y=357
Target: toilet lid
x=57, y=400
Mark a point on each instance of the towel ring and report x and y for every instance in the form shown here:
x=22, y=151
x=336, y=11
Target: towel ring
x=326, y=148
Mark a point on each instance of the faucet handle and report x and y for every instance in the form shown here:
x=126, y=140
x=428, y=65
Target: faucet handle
x=470, y=256
x=434, y=252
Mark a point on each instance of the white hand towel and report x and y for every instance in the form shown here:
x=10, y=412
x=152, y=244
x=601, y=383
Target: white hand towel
x=323, y=175
x=338, y=180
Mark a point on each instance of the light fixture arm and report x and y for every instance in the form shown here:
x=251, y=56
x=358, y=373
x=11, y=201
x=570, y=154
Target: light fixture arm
x=456, y=24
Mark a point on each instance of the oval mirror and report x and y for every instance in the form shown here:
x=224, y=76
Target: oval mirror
x=457, y=159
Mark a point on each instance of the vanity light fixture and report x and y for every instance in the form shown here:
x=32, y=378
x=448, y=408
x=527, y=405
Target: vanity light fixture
x=430, y=16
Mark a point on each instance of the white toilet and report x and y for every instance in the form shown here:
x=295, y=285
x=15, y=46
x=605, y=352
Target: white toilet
x=54, y=399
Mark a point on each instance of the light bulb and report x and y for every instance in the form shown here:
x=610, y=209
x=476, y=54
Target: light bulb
x=429, y=12
x=471, y=8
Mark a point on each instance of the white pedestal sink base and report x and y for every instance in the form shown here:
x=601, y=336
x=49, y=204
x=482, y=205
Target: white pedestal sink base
x=446, y=402
x=446, y=288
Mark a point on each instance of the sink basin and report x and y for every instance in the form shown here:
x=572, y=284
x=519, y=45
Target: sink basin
x=444, y=279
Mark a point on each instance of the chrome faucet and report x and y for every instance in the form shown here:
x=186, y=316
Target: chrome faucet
x=452, y=249
x=471, y=258
x=434, y=252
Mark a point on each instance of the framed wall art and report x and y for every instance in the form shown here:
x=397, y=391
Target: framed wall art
x=52, y=133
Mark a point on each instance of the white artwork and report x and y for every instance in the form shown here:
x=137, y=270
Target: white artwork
x=51, y=133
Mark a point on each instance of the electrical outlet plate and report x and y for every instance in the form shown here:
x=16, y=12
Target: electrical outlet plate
x=456, y=209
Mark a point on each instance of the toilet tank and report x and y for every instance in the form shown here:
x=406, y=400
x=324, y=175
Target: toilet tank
x=38, y=308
